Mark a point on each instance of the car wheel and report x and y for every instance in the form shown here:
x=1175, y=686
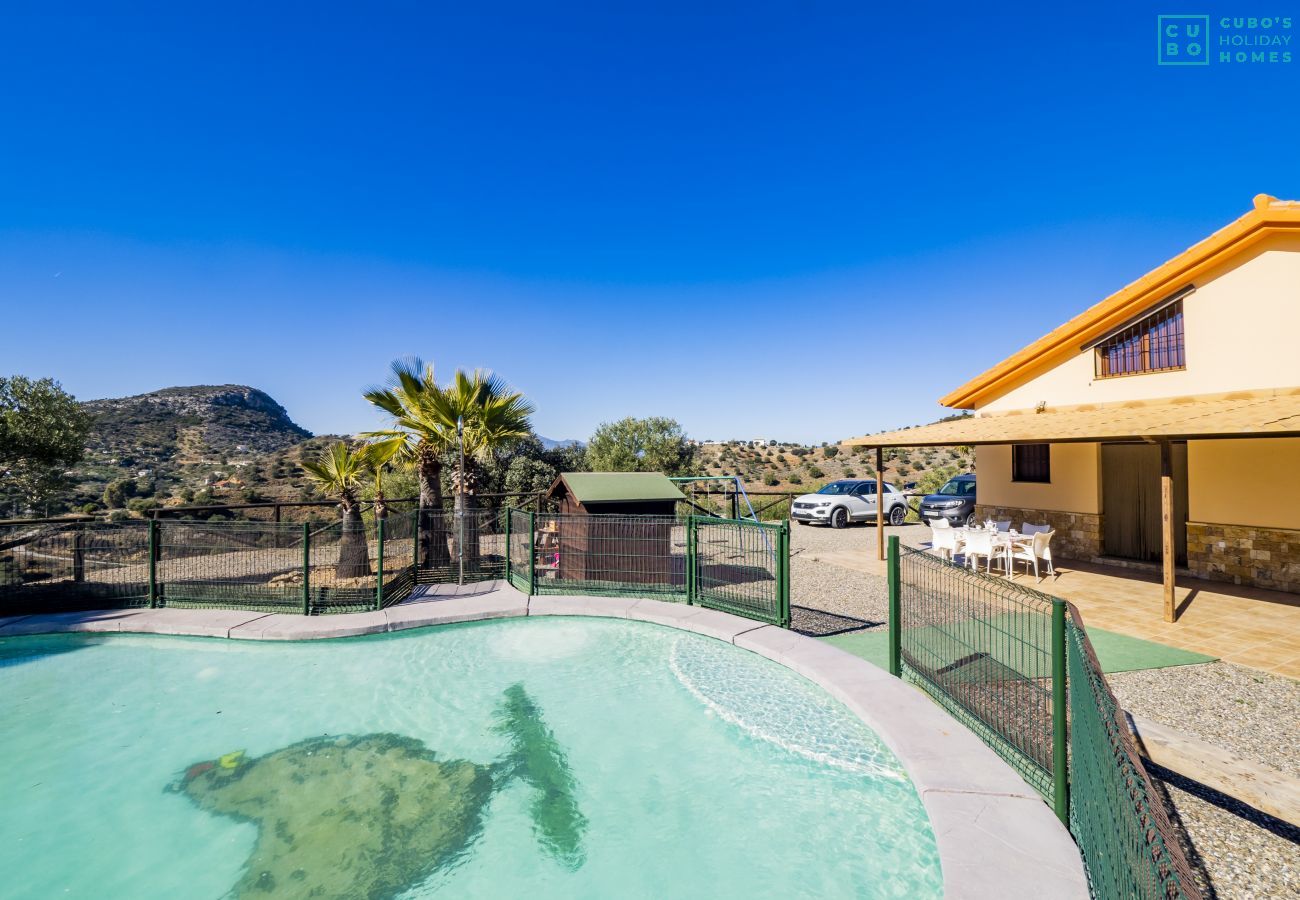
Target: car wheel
x=839, y=517
x=898, y=515
x=970, y=521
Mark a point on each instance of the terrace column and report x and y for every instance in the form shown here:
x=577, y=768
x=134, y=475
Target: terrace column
x=880, y=506
x=1167, y=526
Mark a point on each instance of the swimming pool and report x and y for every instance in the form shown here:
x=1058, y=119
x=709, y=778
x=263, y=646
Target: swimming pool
x=548, y=757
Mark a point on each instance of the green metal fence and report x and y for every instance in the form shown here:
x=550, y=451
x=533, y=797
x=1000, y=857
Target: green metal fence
x=69, y=566
x=307, y=568
x=453, y=547
x=982, y=646
x=734, y=565
x=1129, y=846
x=1016, y=666
x=322, y=567
x=741, y=567
x=520, y=527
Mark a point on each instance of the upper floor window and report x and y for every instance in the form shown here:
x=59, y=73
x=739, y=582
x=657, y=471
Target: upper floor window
x=1152, y=344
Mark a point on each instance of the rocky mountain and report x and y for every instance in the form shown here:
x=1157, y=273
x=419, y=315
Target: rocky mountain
x=202, y=444
x=219, y=418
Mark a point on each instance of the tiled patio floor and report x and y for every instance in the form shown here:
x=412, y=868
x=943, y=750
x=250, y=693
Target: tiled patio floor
x=1248, y=626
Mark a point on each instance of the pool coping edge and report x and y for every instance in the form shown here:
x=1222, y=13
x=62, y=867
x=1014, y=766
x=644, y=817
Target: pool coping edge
x=995, y=835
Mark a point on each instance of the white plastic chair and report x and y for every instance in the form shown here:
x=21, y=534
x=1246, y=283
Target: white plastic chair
x=1004, y=525
x=979, y=543
x=1030, y=552
x=1029, y=528
x=940, y=524
x=943, y=542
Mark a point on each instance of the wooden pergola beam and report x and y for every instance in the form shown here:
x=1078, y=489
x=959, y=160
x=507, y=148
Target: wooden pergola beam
x=880, y=507
x=1167, y=527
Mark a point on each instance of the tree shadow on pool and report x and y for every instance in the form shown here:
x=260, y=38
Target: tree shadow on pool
x=374, y=815
x=16, y=651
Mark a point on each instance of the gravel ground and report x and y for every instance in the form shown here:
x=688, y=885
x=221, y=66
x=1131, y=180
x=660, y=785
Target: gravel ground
x=846, y=599
x=1252, y=714
x=1241, y=852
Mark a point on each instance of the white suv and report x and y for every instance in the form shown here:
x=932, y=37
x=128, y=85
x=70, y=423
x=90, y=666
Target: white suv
x=850, y=500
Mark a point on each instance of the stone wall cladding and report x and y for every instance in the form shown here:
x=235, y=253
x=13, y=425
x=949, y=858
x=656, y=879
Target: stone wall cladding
x=1078, y=535
x=1245, y=554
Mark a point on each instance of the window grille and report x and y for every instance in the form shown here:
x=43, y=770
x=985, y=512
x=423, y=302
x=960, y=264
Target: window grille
x=1031, y=462
x=1153, y=344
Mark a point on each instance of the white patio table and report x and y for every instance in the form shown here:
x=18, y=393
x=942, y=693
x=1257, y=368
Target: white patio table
x=1002, y=541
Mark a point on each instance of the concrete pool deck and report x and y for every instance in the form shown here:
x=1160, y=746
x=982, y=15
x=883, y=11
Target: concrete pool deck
x=995, y=835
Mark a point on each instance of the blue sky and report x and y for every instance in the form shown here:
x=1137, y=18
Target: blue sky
x=803, y=220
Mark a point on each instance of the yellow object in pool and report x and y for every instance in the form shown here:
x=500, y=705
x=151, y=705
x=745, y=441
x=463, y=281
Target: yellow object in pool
x=231, y=760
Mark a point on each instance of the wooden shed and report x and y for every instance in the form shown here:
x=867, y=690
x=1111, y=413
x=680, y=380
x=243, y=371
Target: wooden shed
x=616, y=526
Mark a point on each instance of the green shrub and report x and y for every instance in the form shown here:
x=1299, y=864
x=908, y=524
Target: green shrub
x=795, y=478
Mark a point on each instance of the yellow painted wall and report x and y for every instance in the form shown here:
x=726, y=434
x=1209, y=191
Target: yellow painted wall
x=1242, y=482
x=1075, y=485
x=1240, y=326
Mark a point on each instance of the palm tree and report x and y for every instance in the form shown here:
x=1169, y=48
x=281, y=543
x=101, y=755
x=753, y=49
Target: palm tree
x=378, y=456
x=420, y=437
x=493, y=415
x=339, y=471
x=425, y=423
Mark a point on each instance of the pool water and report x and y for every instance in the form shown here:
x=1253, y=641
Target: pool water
x=543, y=757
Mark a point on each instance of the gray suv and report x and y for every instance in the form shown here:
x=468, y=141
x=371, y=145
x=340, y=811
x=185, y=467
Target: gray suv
x=955, y=501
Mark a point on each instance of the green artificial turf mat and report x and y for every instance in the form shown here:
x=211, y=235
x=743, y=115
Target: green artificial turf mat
x=1117, y=652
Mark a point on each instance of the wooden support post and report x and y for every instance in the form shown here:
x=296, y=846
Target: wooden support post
x=79, y=553
x=1167, y=527
x=880, y=507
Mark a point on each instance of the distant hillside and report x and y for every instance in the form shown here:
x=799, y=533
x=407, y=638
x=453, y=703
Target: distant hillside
x=220, y=418
x=799, y=467
x=207, y=443
x=549, y=444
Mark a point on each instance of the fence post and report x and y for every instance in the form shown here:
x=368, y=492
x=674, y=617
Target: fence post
x=1060, y=754
x=79, y=552
x=379, y=580
x=509, y=516
x=692, y=538
x=306, y=568
x=532, y=553
x=153, y=563
x=415, y=546
x=783, y=570
x=895, y=609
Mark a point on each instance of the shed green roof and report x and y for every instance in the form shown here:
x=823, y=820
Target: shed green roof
x=610, y=487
